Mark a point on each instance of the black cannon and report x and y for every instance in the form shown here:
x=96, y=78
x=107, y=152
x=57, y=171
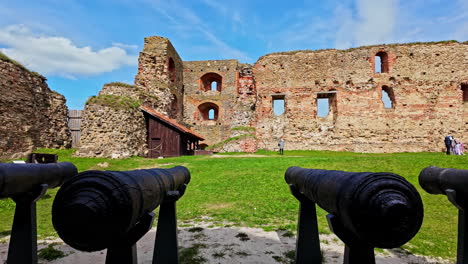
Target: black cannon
x=25, y=184
x=113, y=209
x=366, y=210
x=454, y=184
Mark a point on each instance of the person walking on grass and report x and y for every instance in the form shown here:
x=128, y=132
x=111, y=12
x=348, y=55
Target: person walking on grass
x=281, y=146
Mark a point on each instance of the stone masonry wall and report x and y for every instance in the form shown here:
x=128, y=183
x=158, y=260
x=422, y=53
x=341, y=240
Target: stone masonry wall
x=427, y=84
x=112, y=132
x=425, y=80
x=235, y=99
x=160, y=77
x=31, y=115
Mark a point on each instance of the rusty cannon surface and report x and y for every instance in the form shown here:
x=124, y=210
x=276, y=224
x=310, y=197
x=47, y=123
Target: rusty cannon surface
x=25, y=184
x=454, y=184
x=96, y=210
x=366, y=210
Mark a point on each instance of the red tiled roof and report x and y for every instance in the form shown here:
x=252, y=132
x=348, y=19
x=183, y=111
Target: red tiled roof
x=170, y=122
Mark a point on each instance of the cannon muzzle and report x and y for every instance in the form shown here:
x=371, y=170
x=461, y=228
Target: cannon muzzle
x=96, y=208
x=18, y=179
x=437, y=180
x=378, y=209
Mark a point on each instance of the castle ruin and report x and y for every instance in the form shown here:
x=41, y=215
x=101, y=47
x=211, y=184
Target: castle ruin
x=231, y=104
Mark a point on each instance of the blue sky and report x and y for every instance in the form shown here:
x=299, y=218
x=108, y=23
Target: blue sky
x=79, y=45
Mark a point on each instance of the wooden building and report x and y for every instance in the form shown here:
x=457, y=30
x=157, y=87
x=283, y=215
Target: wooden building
x=166, y=137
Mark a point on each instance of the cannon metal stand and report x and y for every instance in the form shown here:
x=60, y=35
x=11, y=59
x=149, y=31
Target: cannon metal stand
x=166, y=246
x=23, y=240
x=462, y=248
x=307, y=241
x=124, y=250
x=356, y=252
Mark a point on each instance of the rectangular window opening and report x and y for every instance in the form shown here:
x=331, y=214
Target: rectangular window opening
x=464, y=88
x=278, y=104
x=326, y=103
x=323, y=107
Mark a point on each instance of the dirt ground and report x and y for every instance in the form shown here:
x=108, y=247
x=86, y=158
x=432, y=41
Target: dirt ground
x=205, y=243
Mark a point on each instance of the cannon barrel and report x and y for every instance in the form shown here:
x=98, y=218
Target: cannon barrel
x=437, y=180
x=381, y=209
x=18, y=179
x=96, y=208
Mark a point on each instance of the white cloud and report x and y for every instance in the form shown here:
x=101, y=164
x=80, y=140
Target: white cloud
x=60, y=56
x=461, y=33
x=373, y=23
x=344, y=36
x=377, y=23
x=125, y=46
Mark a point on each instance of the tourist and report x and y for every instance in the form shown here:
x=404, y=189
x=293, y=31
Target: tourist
x=456, y=149
x=281, y=146
x=448, y=144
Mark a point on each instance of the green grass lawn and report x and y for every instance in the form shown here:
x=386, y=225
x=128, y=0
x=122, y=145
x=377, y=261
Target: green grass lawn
x=251, y=191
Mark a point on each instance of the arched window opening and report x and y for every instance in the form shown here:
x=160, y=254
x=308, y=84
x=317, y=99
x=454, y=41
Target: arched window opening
x=381, y=62
x=211, y=82
x=464, y=88
x=214, y=86
x=171, y=70
x=209, y=111
x=388, y=97
x=211, y=114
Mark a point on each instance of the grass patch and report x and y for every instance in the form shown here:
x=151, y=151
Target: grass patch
x=243, y=236
x=258, y=196
x=243, y=128
x=120, y=84
x=8, y=59
x=218, y=254
x=191, y=255
x=50, y=253
x=195, y=229
x=114, y=101
x=222, y=143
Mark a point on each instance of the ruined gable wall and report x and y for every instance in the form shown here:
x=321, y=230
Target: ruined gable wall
x=235, y=105
x=158, y=78
x=31, y=115
x=113, y=126
x=425, y=79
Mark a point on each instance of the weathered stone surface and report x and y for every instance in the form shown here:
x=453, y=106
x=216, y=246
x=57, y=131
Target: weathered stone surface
x=31, y=115
x=236, y=102
x=160, y=74
x=112, y=132
x=426, y=82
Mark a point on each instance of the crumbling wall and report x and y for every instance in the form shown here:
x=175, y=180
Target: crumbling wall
x=234, y=98
x=31, y=115
x=424, y=81
x=160, y=74
x=113, y=126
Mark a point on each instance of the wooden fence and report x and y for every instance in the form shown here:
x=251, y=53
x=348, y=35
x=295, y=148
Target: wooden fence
x=74, y=123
